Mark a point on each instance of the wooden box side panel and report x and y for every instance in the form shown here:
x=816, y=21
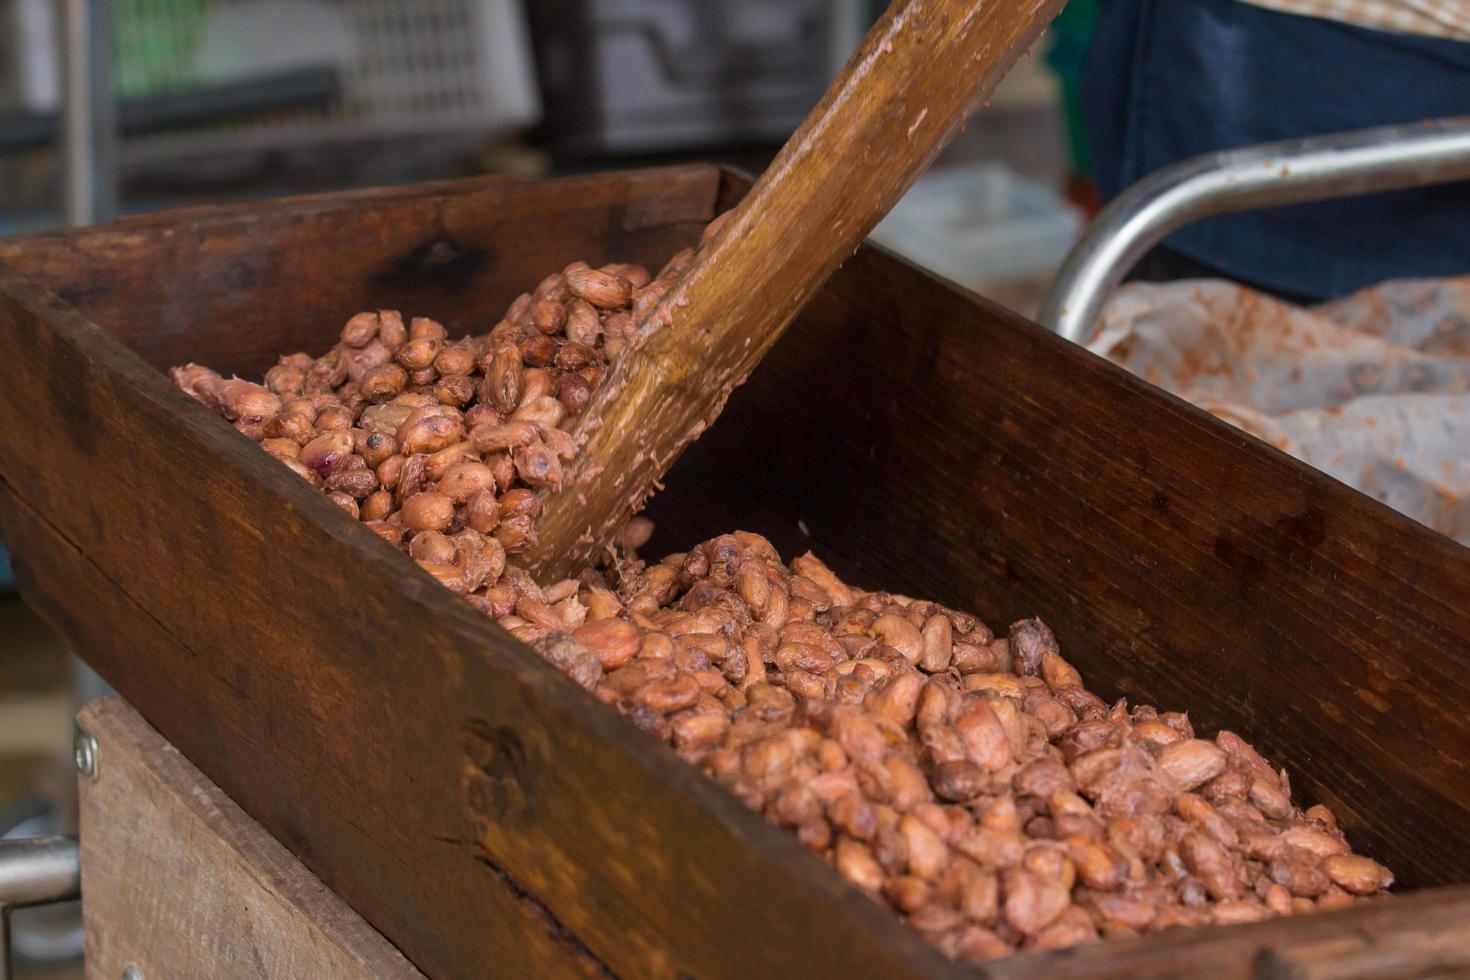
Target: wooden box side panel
x=1426, y=934
x=237, y=286
x=180, y=882
x=930, y=443
x=446, y=782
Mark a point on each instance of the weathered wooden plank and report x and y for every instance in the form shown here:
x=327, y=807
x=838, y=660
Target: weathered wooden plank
x=181, y=883
x=259, y=282
x=925, y=66
x=89, y=609
x=1426, y=934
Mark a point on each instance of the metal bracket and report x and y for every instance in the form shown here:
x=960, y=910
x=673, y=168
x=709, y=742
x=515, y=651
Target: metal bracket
x=1289, y=172
x=35, y=871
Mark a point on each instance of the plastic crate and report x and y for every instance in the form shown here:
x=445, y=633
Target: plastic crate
x=979, y=224
x=406, y=69
x=625, y=76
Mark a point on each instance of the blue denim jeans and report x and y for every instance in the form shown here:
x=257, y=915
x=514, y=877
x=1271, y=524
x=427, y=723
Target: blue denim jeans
x=1169, y=79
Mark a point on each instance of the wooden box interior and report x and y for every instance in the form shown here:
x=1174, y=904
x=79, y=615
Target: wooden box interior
x=916, y=437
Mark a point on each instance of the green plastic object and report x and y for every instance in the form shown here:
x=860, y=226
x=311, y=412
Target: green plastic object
x=152, y=44
x=1070, y=34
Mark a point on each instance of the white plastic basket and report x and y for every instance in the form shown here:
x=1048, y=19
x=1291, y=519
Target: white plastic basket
x=406, y=67
x=982, y=223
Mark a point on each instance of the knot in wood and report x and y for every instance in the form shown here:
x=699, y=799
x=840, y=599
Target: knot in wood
x=497, y=776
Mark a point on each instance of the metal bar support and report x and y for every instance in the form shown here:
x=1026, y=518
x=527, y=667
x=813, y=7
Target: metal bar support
x=89, y=153
x=89, y=117
x=38, y=870
x=1289, y=172
x=35, y=871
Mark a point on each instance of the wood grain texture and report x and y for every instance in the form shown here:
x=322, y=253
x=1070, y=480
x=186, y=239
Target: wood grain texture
x=930, y=443
x=465, y=798
x=921, y=71
x=125, y=639
x=181, y=883
x=1426, y=934
x=262, y=282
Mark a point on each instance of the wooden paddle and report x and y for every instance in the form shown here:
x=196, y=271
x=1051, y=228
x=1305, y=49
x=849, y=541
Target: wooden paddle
x=920, y=72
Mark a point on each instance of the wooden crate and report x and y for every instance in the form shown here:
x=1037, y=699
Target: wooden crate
x=487, y=815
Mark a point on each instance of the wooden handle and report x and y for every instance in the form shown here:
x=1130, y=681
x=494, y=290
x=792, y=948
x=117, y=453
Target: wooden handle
x=920, y=72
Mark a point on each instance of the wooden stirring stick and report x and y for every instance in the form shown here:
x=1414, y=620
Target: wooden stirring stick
x=920, y=72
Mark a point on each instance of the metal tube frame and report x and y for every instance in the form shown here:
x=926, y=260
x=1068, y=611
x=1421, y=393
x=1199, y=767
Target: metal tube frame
x=1290, y=172
x=35, y=871
x=89, y=152
x=89, y=114
x=39, y=870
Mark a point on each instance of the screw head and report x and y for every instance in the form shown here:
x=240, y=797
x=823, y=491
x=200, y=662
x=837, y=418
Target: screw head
x=131, y=972
x=84, y=747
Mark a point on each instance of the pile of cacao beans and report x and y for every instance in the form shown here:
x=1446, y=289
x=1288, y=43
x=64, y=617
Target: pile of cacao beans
x=967, y=779
x=441, y=446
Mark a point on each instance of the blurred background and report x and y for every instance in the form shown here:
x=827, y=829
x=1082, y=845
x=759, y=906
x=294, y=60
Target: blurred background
x=135, y=105
x=238, y=99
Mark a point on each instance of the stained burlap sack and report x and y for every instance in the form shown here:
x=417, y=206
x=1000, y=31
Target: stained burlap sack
x=1373, y=389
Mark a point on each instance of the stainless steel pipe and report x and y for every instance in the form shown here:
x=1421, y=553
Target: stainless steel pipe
x=34, y=871
x=89, y=114
x=1289, y=172
x=38, y=870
